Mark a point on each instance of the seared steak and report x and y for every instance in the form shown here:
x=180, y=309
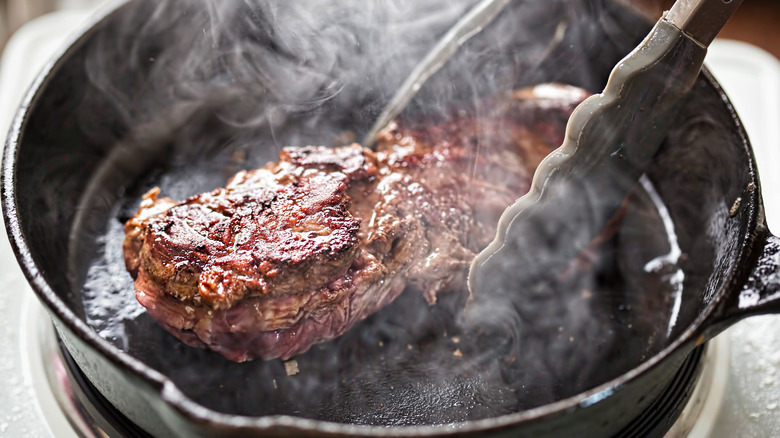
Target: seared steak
x=296, y=252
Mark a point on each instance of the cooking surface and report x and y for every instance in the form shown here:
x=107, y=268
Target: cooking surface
x=595, y=312
x=40, y=38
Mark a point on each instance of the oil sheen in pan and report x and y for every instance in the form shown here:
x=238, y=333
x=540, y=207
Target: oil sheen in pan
x=410, y=363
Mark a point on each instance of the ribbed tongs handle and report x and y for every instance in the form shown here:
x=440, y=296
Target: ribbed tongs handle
x=611, y=139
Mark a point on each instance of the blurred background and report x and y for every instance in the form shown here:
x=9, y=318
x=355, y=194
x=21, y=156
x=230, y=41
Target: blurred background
x=14, y=13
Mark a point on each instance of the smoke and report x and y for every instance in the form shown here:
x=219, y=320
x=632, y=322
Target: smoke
x=255, y=64
x=190, y=84
x=253, y=67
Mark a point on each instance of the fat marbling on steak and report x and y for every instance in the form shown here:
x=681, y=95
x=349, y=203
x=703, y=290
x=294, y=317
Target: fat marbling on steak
x=296, y=252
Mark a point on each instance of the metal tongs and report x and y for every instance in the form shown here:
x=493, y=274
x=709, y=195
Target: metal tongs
x=611, y=138
x=475, y=20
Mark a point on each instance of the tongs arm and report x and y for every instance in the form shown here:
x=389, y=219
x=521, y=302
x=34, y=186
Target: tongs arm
x=701, y=20
x=611, y=139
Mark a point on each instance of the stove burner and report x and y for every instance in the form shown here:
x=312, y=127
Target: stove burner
x=105, y=419
x=654, y=422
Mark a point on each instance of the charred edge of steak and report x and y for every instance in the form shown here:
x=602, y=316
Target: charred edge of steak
x=278, y=327
x=256, y=236
x=296, y=252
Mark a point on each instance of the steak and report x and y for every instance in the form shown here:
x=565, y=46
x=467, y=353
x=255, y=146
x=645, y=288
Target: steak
x=296, y=252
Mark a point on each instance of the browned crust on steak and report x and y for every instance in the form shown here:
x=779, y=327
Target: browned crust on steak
x=296, y=252
x=268, y=231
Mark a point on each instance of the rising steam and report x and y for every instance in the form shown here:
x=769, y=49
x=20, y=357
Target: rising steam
x=211, y=78
x=256, y=63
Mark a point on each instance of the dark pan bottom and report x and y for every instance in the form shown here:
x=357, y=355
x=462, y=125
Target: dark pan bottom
x=653, y=422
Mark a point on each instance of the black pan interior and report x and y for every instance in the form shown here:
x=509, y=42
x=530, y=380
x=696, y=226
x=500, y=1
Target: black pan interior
x=85, y=160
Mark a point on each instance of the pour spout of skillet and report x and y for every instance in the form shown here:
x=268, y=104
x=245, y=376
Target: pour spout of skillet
x=611, y=139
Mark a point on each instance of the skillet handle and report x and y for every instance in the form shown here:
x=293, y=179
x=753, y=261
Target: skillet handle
x=760, y=293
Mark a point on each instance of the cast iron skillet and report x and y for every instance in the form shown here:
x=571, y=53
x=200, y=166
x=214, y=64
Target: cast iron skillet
x=58, y=192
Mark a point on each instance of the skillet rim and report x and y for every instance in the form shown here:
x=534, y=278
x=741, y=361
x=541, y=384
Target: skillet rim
x=694, y=334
